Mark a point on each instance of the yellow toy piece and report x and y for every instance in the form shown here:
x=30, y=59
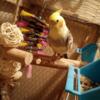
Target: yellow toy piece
x=24, y=30
x=23, y=44
x=39, y=46
x=25, y=13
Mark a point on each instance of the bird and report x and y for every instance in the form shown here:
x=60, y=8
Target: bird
x=59, y=36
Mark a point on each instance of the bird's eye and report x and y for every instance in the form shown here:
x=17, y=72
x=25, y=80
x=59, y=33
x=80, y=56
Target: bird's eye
x=57, y=20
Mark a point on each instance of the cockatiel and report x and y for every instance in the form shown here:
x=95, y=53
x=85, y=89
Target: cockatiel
x=59, y=37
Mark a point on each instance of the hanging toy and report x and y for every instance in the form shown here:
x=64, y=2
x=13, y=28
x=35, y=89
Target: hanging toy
x=11, y=58
x=10, y=35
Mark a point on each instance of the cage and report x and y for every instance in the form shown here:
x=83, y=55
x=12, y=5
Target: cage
x=82, y=18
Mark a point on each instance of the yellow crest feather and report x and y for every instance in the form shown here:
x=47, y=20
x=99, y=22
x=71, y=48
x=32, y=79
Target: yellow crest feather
x=59, y=11
x=54, y=15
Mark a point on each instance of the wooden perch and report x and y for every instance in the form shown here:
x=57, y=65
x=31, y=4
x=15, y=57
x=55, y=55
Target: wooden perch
x=68, y=62
x=46, y=61
x=18, y=55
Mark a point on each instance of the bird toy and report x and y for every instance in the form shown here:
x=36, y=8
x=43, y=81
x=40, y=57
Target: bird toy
x=11, y=58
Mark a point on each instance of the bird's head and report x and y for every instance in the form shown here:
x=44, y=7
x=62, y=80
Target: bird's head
x=56, y=19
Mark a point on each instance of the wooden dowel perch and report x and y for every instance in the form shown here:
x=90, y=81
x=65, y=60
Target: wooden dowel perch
x=68, y=62
x=59, y=64
x=19, y=55
x=62, y=63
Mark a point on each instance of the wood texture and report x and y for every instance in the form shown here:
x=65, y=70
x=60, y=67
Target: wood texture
x=18, y=55
x=88, y=10
x=45, y=84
